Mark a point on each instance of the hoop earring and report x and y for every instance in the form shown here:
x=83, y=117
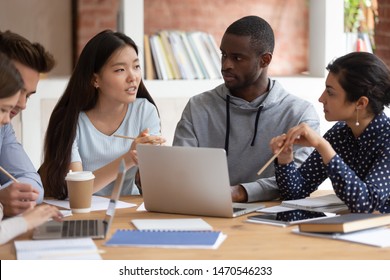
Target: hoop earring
x=357, y=117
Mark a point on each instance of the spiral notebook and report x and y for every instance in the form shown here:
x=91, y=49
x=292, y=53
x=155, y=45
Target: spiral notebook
x=167, y=239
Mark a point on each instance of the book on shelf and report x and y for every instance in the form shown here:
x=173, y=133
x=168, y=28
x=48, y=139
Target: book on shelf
x=183, y=55
x=197, y=55
x=346, y=223
x=159, y=58
x=154, y=55
x=168, y=52
x=167, y=239
x=150, y=72
x=200, y=44
x=326, y=203
x=199, y=73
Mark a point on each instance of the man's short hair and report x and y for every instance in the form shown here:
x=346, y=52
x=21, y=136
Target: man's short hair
x=261, y=33
x=33, y=55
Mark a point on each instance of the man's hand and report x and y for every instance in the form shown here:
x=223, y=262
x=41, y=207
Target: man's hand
x=17, y=198
x=239, y=194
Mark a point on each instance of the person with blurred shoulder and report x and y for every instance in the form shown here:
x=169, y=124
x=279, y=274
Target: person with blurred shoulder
x=355, y=153
x=11, y=85
x=31, y=59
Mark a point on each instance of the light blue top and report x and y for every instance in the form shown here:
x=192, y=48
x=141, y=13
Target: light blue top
x=14, y=159
x=94, y=149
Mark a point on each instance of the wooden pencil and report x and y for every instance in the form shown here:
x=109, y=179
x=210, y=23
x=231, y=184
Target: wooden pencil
x=9, y=175
x=270, y=160
x=124, y=137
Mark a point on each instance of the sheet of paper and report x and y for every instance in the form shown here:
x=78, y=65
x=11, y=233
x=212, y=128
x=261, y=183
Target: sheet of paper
x=171, y=224
x=98, y=203
x=58, y=249
x=274, y=209
x=141, y=207
x=379, y=237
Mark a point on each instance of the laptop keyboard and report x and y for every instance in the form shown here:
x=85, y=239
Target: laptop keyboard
x=79, y=228
x=237, y=209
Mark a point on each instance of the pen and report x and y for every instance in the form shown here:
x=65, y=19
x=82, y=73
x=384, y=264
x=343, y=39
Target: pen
x=125, y=137
x=270, y=160
x=9, y=175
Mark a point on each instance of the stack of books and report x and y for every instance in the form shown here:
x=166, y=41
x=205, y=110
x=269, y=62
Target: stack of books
x=174, y=54
x=364, y=228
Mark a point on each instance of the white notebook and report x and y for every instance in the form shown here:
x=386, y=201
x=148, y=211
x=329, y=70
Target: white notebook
x=325, y=203
x=171, y=224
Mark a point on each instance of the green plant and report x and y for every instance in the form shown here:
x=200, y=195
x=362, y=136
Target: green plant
x=355, y=12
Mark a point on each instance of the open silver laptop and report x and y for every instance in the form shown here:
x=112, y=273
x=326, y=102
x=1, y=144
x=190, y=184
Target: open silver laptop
x=188, y=180
x=96, y=229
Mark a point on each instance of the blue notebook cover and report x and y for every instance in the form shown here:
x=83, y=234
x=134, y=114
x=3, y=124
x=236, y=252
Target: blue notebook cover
x=156, y=238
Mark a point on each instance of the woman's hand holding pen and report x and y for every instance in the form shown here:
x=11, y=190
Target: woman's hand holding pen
x=302, y=135
x=144, y=138
x=282, y=149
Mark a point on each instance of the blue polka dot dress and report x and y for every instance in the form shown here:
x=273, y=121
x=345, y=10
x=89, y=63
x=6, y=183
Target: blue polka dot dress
x=359, y=172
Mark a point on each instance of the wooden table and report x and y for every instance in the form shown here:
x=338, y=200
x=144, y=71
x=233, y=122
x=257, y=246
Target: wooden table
x=245, y=241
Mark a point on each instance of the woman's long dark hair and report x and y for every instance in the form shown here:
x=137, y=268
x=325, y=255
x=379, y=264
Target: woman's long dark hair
x=80, y=95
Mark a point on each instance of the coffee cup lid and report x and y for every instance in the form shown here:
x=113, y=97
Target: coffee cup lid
x=79, y=175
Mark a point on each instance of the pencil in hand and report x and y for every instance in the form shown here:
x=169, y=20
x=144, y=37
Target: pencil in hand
x=271, y=160
x=124, y=137
x=8, y=175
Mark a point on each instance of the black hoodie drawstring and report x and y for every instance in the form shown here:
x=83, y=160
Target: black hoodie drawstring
x=256, y=123
x=228, y=124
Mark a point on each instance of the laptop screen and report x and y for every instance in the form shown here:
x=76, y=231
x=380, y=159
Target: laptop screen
x=115, y=195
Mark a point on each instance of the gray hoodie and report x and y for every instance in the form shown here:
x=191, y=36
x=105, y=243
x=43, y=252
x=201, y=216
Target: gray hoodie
x=244, y=129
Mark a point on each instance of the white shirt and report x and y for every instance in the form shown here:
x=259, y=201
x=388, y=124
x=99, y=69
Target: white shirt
x=11, y=227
